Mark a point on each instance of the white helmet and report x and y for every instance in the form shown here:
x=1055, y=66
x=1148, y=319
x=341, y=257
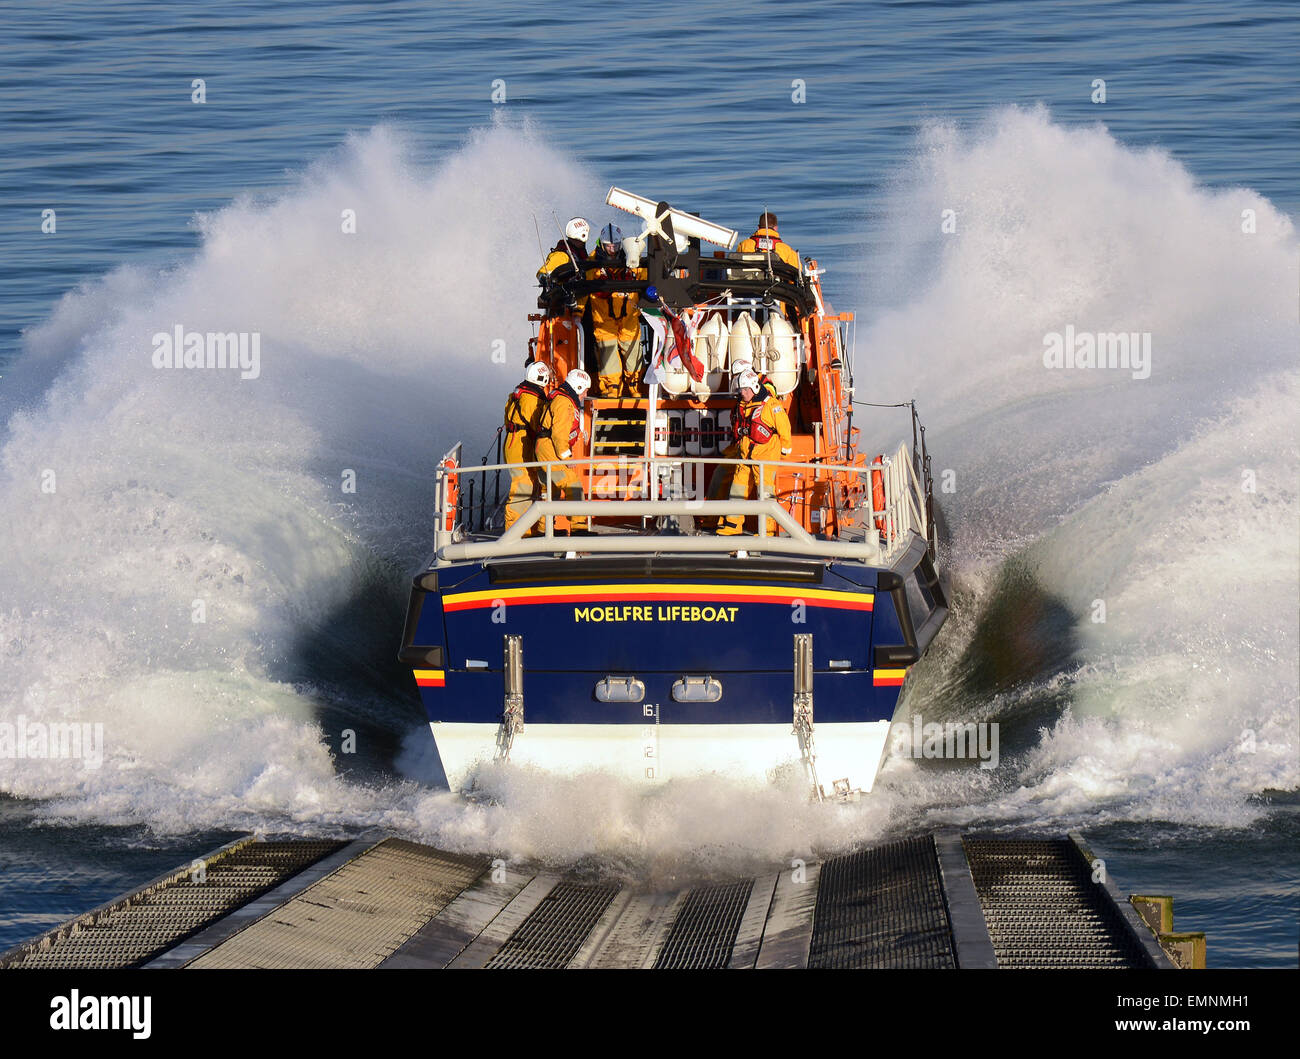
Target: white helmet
x=739, y=367
x=577, y=229
x=748, y=381
x=578, y=381
x=538, y=373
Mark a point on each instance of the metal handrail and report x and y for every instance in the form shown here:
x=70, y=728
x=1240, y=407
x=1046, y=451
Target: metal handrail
x=904, y=514
x=799, y=541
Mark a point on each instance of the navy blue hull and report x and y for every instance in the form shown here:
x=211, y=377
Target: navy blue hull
x=575, y=631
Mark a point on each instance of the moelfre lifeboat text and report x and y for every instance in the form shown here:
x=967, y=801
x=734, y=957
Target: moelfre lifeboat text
x=659, y=612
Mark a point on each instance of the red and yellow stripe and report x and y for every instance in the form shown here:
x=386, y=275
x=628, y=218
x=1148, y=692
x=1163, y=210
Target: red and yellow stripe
x=431, y=678
x=812, y=597
x=887, y=678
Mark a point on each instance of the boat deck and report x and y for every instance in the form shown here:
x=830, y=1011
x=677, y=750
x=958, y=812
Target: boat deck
x=939, y=900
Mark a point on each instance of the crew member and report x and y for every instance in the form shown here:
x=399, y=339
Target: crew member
x=766, y=240
x=615, y=320
x=523, y=411
x=560, y=427
x=762, y=433
x=568, y=259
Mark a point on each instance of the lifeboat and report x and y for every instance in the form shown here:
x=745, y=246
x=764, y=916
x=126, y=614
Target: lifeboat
x=650, y=647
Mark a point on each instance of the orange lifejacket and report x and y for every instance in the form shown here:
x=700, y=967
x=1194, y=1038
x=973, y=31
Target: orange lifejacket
x=766, y=389
x=749, y=422
x=767, y=240
x=754, y=427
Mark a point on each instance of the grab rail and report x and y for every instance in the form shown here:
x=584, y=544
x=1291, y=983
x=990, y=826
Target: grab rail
x=658, y=486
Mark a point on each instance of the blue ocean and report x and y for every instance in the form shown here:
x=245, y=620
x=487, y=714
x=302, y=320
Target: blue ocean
x=367, y=187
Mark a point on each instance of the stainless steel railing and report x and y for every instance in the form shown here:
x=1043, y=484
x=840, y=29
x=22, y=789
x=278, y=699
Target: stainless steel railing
x=645, y=487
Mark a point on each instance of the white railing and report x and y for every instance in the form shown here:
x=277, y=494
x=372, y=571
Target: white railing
x=905, y=509
x=657, y=486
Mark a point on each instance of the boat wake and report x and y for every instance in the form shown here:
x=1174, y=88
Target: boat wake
x=186, y=565
x=1122, y=541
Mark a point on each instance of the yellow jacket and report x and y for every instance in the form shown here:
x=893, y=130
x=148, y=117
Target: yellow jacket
x=560, y=265
x=782, y=250
x=560, y=424
x=762, y=416
x=523, y=411
x=615, y=316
